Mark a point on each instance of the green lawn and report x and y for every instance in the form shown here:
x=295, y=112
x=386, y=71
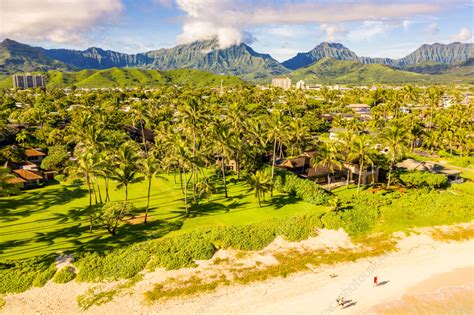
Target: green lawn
x=51, y=219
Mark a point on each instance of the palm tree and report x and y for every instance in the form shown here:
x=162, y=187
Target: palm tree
x=364, y=155
x=345, y=145
x=326, y=155
x=223, y=141
x=276, y=129
x=126, y=172
x=149, y=167
x=84, y=168
x=260, y=182
x=395, y=137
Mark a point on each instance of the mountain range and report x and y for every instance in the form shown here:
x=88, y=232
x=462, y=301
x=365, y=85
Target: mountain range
x=239, y=60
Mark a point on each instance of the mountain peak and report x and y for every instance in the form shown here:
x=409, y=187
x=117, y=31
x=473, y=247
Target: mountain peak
x=324, y=49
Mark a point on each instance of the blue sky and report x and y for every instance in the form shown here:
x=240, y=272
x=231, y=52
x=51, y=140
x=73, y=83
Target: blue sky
x=278, y=27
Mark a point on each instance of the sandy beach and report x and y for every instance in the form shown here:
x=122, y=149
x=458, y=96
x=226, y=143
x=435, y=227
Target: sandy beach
x=421, y=266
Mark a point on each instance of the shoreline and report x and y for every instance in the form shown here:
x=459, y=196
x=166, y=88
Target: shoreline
x=419, y=260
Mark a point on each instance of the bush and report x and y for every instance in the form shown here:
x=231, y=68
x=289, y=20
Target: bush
x=60, y=177
x=56, y=159
x=19, y=276
x=419, y=179
x=181, y=250
x=112, y=265
x=64, y=275
x=286, y=182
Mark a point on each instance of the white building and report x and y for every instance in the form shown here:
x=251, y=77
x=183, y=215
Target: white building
x=300, y=85
x=284, y=83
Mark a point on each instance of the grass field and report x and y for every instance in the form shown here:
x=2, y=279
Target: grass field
x=51, y=219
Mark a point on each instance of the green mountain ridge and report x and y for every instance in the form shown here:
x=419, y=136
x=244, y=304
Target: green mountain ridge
x=332, y=71
x=443, y=54
x=132, y=77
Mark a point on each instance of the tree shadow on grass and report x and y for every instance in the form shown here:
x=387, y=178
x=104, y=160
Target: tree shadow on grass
x=40, y=199
x=280, y=201
x=70, y=232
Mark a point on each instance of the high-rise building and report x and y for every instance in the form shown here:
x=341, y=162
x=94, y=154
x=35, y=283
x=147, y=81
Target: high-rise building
x=284, y=83
x=28, y=81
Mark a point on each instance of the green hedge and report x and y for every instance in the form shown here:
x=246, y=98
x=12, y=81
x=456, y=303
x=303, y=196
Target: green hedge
x=19, y=276
x=182, y=250
x=420, y=179
x=289, y=183
x=64, y=275
x=173, y=252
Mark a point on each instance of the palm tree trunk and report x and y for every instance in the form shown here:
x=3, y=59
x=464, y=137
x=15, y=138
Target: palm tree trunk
x=185, y=193
x=273, y=162
x=95, y=193
x=237, y=165
x=90, y=203
x=98, y=189
x=107, y=198
x=390, y=167
x=223, y=177
x=126, y=192
x=148, y=199
x=361, y=167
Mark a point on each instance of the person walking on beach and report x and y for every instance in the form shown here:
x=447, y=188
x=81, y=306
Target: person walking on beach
x=340, y=301
x=375, y=281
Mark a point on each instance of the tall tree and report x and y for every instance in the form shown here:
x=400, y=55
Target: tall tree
x=395, y=138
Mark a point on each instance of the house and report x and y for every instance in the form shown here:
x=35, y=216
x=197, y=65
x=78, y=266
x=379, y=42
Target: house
x=34, y=156
x=29, y=178
x=361, y=109
x=453, y=176
x=303, y=167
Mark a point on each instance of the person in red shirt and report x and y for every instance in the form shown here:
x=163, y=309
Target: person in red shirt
x=375, y=281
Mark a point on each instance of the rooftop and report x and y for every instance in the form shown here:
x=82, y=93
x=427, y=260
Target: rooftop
x=33, y=153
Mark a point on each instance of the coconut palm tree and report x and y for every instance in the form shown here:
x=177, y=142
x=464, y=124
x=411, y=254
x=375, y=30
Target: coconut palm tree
x=149, y=167
x=395, y=138
x=223, y=141
x=326, y=155
x=126, y=172
x=364, y=154
x=261, y=183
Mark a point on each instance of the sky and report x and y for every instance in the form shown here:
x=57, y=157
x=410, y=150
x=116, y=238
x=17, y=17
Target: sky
x=281, y=28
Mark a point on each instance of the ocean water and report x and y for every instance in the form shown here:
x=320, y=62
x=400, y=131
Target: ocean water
x=446, y=300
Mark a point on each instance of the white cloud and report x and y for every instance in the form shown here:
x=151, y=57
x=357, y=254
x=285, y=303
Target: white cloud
x=333, y=31
x=432, y=29
x=367, y=30
x=59, y=21
x=227, y=19
x=464, y=34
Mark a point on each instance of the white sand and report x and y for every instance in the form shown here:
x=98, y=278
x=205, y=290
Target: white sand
x=418, y=259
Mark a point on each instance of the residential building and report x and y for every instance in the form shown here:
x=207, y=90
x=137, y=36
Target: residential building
x=28, y=81
x=300, y=85
x=349, y=172
x=34, y=156
x=284, y=83
x=361, y=109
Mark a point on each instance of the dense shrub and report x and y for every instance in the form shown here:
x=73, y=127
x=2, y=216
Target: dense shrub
x=64, y=275
x=183, y=250
x=111, y=265
x=286, y=182
x=60, y=177
x=180, y=251
x=19, y=276
x=56, y=159
x=423, y=179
